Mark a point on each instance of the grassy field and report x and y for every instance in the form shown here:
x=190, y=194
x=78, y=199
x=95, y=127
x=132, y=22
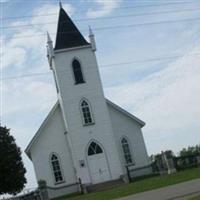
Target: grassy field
x=195, y=198
x=140, y=186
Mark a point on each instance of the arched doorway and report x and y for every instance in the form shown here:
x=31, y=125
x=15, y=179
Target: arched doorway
x=98, y=164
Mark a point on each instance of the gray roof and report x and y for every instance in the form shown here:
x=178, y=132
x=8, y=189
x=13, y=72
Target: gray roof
x=68, y=35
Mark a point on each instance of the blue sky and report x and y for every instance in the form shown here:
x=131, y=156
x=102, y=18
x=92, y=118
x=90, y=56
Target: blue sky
x=165, y=93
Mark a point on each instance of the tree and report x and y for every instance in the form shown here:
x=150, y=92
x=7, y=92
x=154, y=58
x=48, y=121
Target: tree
x=191, y=150
x=12, y=171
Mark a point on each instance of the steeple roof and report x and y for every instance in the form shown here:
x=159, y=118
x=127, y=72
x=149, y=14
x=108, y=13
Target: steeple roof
x=68, y=35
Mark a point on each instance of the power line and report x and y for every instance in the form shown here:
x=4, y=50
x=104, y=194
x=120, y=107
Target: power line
x=102, y=18
x=115, y=27
x=119, y=8
x=147, y=24
x=26, y=75
x=105, y=65
x=147, y=60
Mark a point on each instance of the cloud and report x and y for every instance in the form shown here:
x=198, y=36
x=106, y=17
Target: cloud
x=10, y=56
x=168, y=102
x=52, y=17
x=22, y=40
x=106, y=7
x=4, y=1
x=27, y=101
x=39, y=94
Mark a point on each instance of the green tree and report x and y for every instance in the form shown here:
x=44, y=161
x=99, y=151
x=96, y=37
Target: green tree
x=191, y=150
x=12, y=171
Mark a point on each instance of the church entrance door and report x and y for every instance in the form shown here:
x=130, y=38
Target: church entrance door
x=98, y=164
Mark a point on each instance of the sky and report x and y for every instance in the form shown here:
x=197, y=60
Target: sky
x=149, y=59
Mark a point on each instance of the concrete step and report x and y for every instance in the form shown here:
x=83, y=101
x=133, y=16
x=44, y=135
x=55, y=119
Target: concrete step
x=105, y=185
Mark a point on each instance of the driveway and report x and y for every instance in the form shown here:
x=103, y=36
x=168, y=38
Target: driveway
x=179, y=191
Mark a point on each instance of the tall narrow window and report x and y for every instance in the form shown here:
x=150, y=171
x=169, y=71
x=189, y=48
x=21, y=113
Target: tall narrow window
x=86, y=113
x=78, y=75
x=56, y=168
x=126, y=151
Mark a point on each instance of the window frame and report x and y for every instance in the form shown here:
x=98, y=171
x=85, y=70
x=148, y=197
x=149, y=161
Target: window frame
x=130, y=153
x=90, y=111
x=60, y=170
x=81, y=68
x=94, y=149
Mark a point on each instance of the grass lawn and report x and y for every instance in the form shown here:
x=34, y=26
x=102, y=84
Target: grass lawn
x=140, y=186
x=195, y=198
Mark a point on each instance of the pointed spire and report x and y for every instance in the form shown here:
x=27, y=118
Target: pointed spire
x=92, y=39
x=48, y=38
x=60, y=4
x=50, y=50
x=68, y=35
x=90, y=31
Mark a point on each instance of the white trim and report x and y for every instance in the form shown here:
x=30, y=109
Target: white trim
x=104, y=151
x=82, y=71
x=61, y=169
x=91, y=113
x=130, y=150
x=125, y=112
x=28, y=148
x=72, y=48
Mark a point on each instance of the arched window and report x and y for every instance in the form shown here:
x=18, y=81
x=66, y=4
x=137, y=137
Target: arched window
x=86, y=113
x=78, y=75
x=126, y=151
x=56, y=168
x=94, y=148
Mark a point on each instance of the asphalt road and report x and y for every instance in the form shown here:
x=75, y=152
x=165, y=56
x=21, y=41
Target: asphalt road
x=181, y=191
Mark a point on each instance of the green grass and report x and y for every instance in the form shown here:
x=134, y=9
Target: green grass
x=140, y=186
x=195, y=198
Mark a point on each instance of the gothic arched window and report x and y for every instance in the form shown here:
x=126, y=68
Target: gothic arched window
x=126, y=151
x=56, y=168
x=78, y=75
x=94, y=148
x=86, y=112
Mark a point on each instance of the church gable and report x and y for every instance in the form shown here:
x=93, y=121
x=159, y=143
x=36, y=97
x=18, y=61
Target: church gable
x=123, y=112
x=82, y=132
x=50, y=153
x=127, y=131
x=50, y=117
x=56, y=108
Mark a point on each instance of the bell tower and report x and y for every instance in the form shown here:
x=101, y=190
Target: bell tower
x=82, y=101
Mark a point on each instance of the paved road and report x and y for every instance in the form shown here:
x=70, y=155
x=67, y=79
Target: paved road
x=179, y=191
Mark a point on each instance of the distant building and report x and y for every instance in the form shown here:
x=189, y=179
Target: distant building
x=85, y=135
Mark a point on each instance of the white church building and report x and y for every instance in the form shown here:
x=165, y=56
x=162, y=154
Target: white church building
x=85, y=136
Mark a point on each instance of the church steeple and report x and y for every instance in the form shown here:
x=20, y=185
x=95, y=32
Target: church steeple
x=68, y=35
x=60, y=3
x=50, y=50
x=92, y=39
